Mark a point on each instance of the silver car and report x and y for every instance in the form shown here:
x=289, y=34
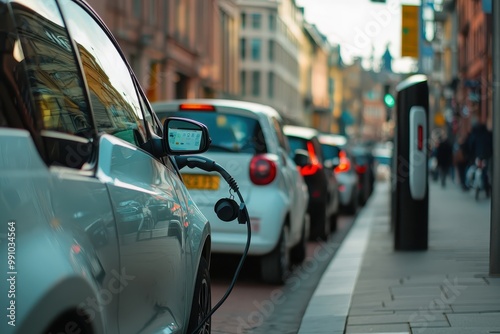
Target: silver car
x=98, y=232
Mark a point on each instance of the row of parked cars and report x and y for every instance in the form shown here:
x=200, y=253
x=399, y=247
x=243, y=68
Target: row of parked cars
x=102, y=231
x=296, y=179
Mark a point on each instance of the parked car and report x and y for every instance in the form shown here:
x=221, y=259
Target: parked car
x=336, y=153
x=382, y=156
x=364, y=166
x=322, y=184
x=248, y=140
x=82, y=156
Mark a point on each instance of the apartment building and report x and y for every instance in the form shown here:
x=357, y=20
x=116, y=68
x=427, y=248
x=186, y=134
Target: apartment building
x=269, y=55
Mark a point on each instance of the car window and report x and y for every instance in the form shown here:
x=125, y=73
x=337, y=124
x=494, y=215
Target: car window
x=330, y=151
x=51, y=68
x=113, y=97
x=47, y=93
x=232, y=133
x=150, y=119
x=297, y=143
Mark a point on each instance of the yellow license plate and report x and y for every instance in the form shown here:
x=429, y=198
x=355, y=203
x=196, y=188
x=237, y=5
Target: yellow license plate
x=201, y=182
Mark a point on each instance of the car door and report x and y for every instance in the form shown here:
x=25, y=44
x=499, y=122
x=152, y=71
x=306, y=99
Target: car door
x=66, y=237
x=149, y=213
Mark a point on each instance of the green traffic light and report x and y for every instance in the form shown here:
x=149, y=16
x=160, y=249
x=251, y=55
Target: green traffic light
x=389, y=100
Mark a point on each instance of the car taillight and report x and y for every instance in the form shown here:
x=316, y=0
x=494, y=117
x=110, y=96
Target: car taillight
x=196, y=106
x=315, y=164
x=344, y=165
x=263, y=169
x=361, y=169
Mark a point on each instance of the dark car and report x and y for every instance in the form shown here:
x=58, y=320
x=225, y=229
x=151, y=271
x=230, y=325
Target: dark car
x=322, y=184
x=339, y=159
x=88, y=176
x=364, y=166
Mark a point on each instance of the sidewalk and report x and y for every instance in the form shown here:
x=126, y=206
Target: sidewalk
x=370, y=288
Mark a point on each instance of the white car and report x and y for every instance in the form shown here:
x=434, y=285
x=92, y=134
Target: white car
x=248, y=141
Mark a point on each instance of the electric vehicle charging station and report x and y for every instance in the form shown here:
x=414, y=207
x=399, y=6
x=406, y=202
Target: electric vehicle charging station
x=409, y=179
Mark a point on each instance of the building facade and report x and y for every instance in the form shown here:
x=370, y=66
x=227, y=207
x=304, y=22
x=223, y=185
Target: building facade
x=269, y=48
x=319, y=98
x=474, y=95
x=178, y=49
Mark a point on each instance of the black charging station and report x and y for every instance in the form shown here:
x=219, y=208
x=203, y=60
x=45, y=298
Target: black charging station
x=409, y=179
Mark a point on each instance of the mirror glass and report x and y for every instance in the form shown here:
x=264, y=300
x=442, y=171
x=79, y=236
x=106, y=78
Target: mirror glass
x=186, y=136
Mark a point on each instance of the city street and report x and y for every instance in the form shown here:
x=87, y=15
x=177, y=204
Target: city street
x=256, y=307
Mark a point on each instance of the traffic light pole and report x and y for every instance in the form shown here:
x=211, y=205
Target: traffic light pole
x=495, y=209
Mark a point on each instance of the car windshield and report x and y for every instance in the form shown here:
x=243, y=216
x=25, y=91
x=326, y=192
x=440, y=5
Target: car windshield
x=330, y=151
x=297, y=143
x=230, y=133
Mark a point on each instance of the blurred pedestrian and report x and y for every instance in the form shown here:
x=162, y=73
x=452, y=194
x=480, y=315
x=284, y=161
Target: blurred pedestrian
x=461, y=160
x=480, y=143
x=444, y=155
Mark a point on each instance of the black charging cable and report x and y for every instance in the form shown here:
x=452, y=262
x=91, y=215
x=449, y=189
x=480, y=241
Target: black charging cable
x=243, y=216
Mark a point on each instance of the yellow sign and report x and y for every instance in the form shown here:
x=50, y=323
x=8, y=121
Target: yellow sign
x=409, y=31
x=439, y=119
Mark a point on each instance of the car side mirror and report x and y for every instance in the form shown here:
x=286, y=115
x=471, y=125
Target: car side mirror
x=301, y=158
x=185, y=136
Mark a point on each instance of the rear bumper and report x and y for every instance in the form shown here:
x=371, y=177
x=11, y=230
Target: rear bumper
x=267, y=211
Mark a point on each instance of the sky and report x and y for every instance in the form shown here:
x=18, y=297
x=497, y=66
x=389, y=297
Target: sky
x=361, y=27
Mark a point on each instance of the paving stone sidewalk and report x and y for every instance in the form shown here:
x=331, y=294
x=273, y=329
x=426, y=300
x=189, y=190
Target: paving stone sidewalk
x=370, y=288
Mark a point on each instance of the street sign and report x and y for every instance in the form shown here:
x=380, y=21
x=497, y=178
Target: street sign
x=410, y=31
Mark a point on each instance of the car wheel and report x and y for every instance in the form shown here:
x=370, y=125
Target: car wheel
x=320, y=226
x=275, y=265
x=298, y=253
x=202, y=300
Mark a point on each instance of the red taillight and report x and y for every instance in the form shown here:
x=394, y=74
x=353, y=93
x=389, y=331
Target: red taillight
x=344, y=165
x=361, y=169
x=196, y=106
x=262, y=169
x=315, y=164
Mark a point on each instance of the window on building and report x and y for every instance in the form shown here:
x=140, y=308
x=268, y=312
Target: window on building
x=272, y=22
x=153, y=12
x=270, y=85
x=331, y=86
x=255, y=83
x=243, y=20
x=256, y=48
x=165, y=15
x=137, y=8
x=243, y=82
x=243, y=48
x=256, y=20
x=271, y=50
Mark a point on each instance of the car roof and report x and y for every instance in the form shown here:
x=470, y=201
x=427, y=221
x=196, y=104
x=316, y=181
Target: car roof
x=220, y=105
x=332, y=139
x=300, y=131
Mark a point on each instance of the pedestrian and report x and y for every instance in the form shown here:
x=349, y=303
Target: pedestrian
x=461, y=160
x=444, y=155
x=480, y=143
